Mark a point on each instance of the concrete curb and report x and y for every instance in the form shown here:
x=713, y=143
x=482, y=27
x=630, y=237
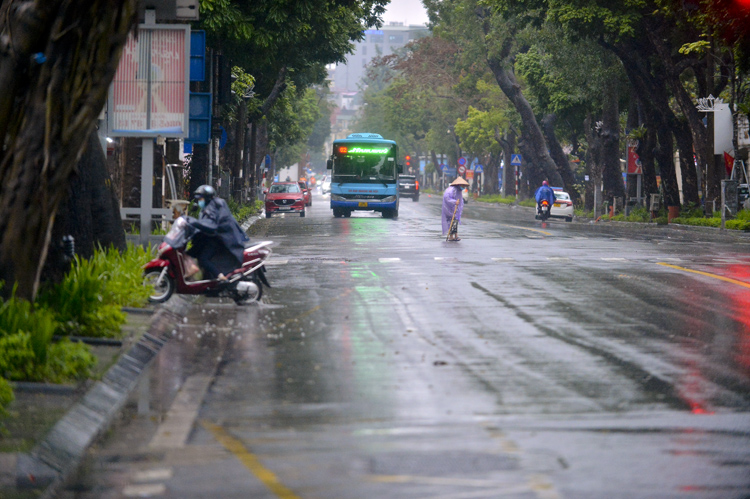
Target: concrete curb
x=52, y=461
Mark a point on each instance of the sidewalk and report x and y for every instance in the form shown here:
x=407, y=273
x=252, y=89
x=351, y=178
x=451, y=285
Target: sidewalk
x=52, y=426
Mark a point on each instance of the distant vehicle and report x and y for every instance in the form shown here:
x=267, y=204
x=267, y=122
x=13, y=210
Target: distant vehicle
x=285, y=197
x=743, y=194
x=563, y=206
x=408, y=187
x=325, y=185
x=306, y=191
x=364, y=175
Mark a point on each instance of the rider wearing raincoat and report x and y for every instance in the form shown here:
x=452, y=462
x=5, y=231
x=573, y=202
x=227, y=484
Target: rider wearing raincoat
x=221, y=241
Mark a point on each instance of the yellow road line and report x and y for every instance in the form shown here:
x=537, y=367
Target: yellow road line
x=251, y=462
x=526, y=228
x=719, y=277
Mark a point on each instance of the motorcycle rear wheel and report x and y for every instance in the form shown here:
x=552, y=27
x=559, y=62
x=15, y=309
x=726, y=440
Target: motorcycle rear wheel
x=163, y=291
x=257, y=297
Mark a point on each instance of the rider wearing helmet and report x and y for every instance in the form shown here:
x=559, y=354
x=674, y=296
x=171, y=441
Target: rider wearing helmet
x=544, y=192
x=221, y=241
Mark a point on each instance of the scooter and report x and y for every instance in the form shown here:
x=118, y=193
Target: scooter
x=543, y=211
x=168, y=272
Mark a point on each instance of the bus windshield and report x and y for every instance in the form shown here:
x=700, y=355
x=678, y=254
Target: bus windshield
x=365, y=163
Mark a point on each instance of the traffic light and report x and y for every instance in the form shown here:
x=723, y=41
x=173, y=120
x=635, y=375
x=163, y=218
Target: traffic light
x=408, y=161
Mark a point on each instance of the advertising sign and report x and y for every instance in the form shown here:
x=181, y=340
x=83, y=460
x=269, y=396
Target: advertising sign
x=150, y=95
x=634, y=162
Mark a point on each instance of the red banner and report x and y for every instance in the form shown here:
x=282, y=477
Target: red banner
x=634, y=162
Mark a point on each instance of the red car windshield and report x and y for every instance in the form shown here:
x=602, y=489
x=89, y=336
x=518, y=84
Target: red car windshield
x=284, y=188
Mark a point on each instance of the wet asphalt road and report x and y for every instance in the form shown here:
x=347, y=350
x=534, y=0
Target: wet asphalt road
x=568, y=360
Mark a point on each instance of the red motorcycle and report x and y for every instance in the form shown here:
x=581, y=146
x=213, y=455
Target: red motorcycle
x=167, y=273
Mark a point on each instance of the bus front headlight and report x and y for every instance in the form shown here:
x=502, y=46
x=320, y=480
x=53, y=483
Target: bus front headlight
x=335, y=197
x=389, y=199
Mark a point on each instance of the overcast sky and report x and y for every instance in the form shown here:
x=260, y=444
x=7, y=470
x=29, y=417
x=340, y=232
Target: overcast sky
x=405, y=11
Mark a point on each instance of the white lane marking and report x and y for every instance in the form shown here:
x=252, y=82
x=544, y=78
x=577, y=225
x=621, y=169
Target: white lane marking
x=615, y=259
x=558, y=258
x=173, y=432
x=389, y=260
x=153, y=475
x=149, y=490
x=671, y=259
x=446, y=258
x=277, y=262
x=503, y=259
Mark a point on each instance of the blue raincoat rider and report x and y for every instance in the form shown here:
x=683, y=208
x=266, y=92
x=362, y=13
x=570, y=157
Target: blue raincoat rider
x=544, y=192
x=220, y=243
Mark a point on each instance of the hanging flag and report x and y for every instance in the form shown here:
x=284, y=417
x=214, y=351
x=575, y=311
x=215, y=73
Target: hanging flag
x=728, y=163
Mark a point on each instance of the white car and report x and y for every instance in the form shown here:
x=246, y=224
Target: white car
x=325, y=185
x=562, y=207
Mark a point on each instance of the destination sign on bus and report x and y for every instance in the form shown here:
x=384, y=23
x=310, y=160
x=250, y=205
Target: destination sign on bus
x=363, y=150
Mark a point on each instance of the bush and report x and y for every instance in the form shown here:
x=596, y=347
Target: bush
x=242, y=211
x=79, y=302
x=497, y=198
x=69, y=361
x=6, y=397
x=89, y=299
x=19, y=316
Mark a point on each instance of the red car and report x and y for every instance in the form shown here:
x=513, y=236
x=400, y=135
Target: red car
x=285, y=197
x=306, y=191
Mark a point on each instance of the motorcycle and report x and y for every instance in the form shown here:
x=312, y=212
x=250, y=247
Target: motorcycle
x=168, y=272
x=543, y=210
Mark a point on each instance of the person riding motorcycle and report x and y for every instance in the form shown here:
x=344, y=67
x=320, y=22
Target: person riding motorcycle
x=544, y=192
x=220, y=242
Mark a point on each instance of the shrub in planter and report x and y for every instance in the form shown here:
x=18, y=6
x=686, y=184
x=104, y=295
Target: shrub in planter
x=6, y=397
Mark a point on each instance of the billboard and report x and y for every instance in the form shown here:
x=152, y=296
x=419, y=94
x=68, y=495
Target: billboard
x=149, y=94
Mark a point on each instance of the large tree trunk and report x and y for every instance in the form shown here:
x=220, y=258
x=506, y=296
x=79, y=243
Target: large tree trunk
x=91, y=212
x=537, y=152
x=610, y=135
x=561, y=159
x=48, y=107
x=701, y=144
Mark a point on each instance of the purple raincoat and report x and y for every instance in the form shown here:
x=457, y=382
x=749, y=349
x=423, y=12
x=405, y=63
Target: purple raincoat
x=451, y=196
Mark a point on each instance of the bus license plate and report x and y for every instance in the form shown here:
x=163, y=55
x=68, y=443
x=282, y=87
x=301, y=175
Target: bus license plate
x=363, y=204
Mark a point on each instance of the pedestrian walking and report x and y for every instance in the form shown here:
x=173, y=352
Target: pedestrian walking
x=453, y=206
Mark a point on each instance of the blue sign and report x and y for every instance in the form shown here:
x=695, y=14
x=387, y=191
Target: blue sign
x=422, y=164
x=199, y=126
x=443, y=167
x=451, y=172
x=478, y=168
x=224, y=138
x=197, y=55
x=462, y=161
x=515, y=159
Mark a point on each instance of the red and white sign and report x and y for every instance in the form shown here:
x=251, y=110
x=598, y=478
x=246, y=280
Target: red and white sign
x=461, y=170
x=634, y=162
x=150, y=92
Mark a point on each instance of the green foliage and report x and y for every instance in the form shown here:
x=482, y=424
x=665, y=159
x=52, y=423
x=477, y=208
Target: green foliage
x=65, y=361
x=89, y=299
x=19, y=316
x=497, y=198
x=241, y=212
x=69, y=361
x=700, y=222
x=6, y=397
x=291, y=123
